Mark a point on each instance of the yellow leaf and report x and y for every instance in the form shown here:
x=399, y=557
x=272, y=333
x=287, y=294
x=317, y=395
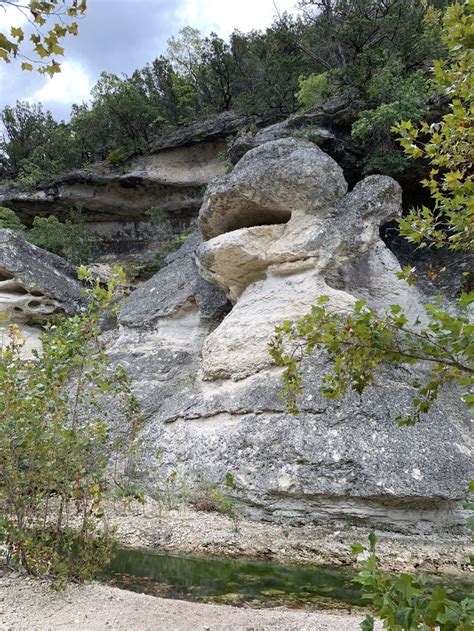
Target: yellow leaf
x=26, y=66
x=17, y=33
x=41, y=50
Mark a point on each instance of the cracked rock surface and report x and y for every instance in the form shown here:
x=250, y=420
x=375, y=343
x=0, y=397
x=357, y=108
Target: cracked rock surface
x=34, y=286
x=280, y=231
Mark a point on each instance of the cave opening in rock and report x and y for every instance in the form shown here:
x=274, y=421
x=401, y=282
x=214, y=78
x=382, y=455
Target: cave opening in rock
x=250, y=216
x=5, y=276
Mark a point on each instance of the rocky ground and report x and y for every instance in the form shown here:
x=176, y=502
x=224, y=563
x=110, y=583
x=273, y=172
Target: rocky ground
x=29, y=604
x=185, y=530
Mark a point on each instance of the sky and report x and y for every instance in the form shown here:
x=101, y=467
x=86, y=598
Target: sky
x=119, y=36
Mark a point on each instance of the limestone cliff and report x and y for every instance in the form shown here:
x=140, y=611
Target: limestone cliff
x=282, y=230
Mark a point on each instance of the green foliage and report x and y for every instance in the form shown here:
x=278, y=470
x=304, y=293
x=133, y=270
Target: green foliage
x=406, y=603
x=448, y=145
x=53, y=460
x=355, y=40
x=52, y=21
x=358, y=343
x=314, y=90
x=9, y=220
x=157, y=215
x=34, y=147
x=72, y=239
x=118, y=157
x=213, y=498
x=171, y=493
x=394, y=94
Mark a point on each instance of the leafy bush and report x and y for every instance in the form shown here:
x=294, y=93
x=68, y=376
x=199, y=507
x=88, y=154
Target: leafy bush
x=53, y=461
x=315, y=89
x=9, y=220
x=407, y=603
x=447, y=145
x=119, y=156
x=72, y=239
x=211, y=498
x=358, y=343
x=394, y=95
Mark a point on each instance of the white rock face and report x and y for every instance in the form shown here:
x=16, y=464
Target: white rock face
x=281, y=231
x=34, y=286
x=276, y=272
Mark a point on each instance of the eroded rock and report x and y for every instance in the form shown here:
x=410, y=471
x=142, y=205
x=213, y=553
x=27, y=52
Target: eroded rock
x=269, y=184
x=35, y=284
x=282, y=231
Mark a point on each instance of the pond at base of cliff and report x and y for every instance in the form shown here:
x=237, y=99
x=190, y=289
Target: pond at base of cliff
x=257, y=583
x=237, y=582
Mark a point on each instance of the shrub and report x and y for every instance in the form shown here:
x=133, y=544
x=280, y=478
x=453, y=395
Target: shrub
x=407, y=603
x=9, y=220
x=315, y=89
x=52, y=460
x=72, y=239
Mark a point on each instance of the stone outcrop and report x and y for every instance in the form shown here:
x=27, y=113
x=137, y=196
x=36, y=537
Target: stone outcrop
x=35, y=285
x=281, y=231
x=114, y=201
x=328, y=126
x=212, y=128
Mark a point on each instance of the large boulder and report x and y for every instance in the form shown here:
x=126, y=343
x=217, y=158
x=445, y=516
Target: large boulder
x=282, y=231
x=269, y=184
x=35, y=284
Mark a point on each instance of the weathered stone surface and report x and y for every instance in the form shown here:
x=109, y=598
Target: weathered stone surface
x=328, y=126
x=211, y=128
x=268, y=184
x=34, y=284
x=172, y=179
x=177, y=288
x=210, y=391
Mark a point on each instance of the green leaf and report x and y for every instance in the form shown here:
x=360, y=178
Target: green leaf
x=357, y=549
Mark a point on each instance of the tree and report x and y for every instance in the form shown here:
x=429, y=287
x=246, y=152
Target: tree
x=54, y=459
x=34, y=147
x=360, y=342
x=51, y=21
x=448, y=145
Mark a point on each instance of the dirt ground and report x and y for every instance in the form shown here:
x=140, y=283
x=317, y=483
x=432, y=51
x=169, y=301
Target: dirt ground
x=28, y=604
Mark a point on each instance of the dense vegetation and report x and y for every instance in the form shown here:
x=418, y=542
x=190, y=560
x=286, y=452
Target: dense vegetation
x=374, y=54
x=54, y=462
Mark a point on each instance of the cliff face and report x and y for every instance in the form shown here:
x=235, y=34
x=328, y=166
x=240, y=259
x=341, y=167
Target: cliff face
x=276, y=233
x=282, y=230
x=114, y=202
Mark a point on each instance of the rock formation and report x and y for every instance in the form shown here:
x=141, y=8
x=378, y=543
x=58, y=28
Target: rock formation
x=281, y=231
x=34, y=286
x=114, y=200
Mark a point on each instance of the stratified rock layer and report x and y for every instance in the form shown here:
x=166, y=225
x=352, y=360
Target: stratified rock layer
x=282, y=231
x=35, y=285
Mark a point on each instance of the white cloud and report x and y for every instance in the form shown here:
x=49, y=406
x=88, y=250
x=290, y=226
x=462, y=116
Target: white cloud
x=224, y=16
x=12, y=16
x=71, y=85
